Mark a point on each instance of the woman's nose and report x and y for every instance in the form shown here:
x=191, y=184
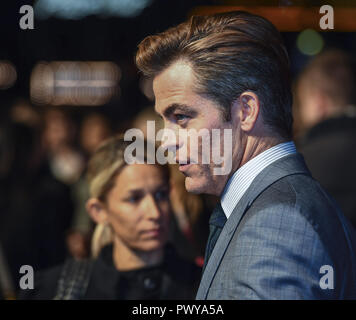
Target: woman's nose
x=152, y=209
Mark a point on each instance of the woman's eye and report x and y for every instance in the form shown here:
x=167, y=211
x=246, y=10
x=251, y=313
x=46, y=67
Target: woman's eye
x=133, y=199
x=161, y=195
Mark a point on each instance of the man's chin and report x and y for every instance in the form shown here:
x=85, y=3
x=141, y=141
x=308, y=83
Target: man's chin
x=194, y=185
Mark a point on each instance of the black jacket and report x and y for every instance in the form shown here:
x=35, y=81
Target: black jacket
x=173, y=279
x=329, y=150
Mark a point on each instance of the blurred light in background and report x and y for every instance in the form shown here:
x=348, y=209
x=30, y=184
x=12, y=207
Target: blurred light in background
x=291, y=18
x=80, y=83
x=8, y=75
x=77, y=9
x=310, y=42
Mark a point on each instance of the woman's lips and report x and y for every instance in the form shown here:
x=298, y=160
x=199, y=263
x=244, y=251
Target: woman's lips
x=153, y=233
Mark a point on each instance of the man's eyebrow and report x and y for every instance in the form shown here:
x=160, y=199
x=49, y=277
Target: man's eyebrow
x=178, y=107
x=158, y=114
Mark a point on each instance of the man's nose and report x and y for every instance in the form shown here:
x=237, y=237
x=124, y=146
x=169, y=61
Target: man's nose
x=169, y=140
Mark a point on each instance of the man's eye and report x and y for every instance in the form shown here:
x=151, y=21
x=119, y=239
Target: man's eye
x=180, y=117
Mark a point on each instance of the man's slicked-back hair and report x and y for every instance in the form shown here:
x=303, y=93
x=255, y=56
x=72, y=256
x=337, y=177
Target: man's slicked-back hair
x=229, y=53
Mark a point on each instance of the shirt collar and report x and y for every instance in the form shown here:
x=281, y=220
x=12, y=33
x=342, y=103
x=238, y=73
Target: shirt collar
x=240, y=181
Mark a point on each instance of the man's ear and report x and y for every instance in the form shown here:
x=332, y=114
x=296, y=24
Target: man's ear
x=96, y=210
x=249, y=110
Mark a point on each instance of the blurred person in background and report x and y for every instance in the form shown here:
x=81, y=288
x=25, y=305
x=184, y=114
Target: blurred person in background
x=23, y=112
x=95, y=128
x=35, y=208
x=131, y=257
x=326, y=100
x=7, y=288
x=66, y=162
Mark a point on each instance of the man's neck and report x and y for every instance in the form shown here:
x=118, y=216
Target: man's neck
x=257, y=145
x=245, y=149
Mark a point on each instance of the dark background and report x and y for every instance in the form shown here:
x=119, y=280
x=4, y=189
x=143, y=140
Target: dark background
x=115, y=38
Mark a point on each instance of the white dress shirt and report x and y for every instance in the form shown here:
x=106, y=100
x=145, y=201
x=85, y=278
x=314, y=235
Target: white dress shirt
x=243, y=177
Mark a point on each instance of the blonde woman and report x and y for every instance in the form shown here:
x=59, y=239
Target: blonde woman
x=131, y=257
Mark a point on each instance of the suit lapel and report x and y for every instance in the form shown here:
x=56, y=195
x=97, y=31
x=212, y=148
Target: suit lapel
x=289, y=165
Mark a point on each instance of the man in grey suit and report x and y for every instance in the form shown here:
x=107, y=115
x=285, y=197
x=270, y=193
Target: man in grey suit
x=275, y=234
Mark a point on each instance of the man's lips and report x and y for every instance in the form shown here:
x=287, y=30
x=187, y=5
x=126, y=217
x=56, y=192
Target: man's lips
x=184, y=167
x=185, y=164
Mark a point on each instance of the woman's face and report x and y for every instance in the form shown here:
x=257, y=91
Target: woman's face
x=138, y=207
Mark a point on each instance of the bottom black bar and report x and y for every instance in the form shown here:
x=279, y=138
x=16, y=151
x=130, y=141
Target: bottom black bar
x=132, y=310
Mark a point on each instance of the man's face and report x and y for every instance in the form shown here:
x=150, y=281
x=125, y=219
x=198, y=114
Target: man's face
x=181, y=108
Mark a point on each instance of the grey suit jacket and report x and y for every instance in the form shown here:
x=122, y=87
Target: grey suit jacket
x=285, y=239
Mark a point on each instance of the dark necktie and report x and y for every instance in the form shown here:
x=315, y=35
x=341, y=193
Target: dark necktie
x=216, y=224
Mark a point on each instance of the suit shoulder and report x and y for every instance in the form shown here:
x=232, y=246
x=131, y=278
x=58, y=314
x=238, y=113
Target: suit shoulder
x=301, y=195
x=299, y=212
x=280, y=192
